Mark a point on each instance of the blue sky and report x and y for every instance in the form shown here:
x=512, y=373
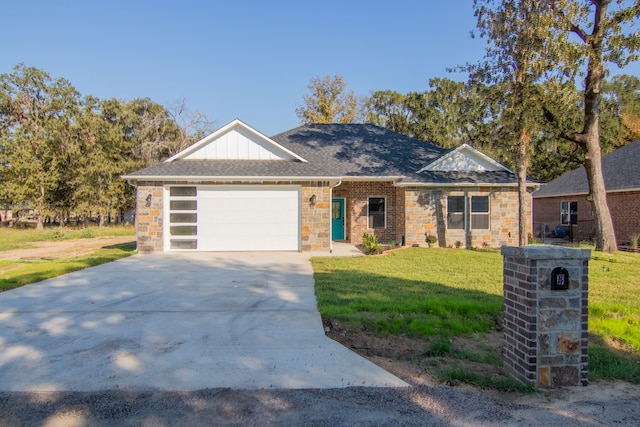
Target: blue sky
x=250, y=60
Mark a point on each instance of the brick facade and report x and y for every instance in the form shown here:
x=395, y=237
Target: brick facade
x=357, y=194
x=546, y=337
x=426, y=211
x=623, y=206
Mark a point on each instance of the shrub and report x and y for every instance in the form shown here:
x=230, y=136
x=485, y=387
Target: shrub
x=431, y=239
x=370, y=243
x=458, y=244
x=54, y=235
x=88, y=233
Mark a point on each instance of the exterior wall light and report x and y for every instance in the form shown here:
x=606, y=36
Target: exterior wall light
x=312, y=200
x=148, y=201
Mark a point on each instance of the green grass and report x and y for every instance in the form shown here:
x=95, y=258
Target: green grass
x=442, y=293
x=18, y=273
x=614, y=298
x=443, y=347
x=14, y=238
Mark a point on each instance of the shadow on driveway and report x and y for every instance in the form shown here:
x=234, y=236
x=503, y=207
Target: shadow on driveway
x=176, y=322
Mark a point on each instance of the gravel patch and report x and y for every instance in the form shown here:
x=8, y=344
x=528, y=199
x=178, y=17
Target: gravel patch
x=602, y=404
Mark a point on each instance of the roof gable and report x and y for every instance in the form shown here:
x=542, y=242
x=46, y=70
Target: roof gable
x=464, y=159
x=236, y=141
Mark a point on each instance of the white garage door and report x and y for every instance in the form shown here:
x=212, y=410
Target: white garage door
x=241, y=219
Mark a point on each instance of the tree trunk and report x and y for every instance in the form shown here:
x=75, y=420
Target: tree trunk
x=589, y=139
x=523, y=195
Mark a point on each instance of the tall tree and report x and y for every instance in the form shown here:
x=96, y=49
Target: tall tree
x=193, y=125
x=448, y=114
x=622, y=100
x=603, y=31
x=387, y=108
x=107, y=153
x=37, y=115
x=517, y=33
x=328, y=102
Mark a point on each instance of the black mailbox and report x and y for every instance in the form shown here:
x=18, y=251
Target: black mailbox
x=559, y=279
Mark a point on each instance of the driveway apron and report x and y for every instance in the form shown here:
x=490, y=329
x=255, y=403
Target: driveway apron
x=176, y=322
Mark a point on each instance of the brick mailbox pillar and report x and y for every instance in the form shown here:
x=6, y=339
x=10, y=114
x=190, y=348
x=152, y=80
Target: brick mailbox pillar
x=545, y=315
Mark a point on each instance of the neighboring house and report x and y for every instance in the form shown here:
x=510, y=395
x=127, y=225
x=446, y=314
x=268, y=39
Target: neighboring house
x=563, y=201
x=239, y=190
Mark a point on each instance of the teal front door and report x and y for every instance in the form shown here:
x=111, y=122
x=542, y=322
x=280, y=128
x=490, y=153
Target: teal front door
x=337, y=219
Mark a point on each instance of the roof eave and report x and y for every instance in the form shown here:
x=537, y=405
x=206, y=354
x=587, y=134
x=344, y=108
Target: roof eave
x=462, y=184
x=371, y=178
x=586, y=193
x=225, y=178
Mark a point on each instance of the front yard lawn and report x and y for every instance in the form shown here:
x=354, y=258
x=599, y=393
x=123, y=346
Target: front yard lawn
x=16, y=273
x=67, y=252
x=436, y=295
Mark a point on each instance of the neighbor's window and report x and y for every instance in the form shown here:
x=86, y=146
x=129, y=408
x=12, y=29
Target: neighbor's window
x=376, y=212
x=480, y=212
x=455, y=212
x=569, y=213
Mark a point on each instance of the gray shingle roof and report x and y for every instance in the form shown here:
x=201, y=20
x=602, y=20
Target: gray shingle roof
x=620, y=170
x=358, y=150
x=334, y=150
x=232, y=168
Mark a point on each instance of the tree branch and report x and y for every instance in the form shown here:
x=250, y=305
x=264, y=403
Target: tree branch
x=573, y=28
x=576, y=137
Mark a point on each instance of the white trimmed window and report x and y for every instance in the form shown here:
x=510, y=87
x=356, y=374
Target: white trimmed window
x=480, y=212
x=568, y=213
x=455, y=212
x=458, y=207
x=377, y=212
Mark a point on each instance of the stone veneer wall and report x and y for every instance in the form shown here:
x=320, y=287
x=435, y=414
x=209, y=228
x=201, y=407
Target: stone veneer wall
x=315, y=220
x=425, y=213
x=546, y=340
x=149, y=219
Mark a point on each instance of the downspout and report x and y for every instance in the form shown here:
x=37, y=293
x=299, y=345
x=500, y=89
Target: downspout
x=331, y=215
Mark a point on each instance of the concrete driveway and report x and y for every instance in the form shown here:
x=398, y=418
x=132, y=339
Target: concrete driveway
x=176, y=322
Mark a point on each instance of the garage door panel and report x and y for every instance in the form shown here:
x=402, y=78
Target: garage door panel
x=244, y=229
x=236, y=220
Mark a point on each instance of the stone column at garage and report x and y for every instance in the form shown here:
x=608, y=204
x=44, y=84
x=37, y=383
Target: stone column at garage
x=546, y=339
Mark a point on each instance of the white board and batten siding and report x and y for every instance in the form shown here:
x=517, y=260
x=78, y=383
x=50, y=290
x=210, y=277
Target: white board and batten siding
x=237, y=145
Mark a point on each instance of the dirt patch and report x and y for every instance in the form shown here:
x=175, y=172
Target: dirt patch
x=419, y=361
x=64, y=248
